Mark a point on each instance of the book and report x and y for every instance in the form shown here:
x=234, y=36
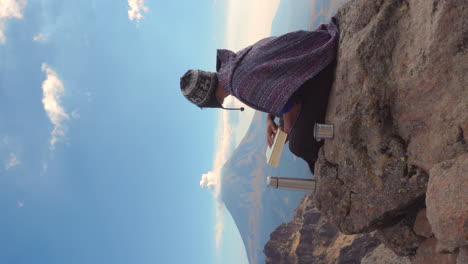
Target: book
x=273, y=153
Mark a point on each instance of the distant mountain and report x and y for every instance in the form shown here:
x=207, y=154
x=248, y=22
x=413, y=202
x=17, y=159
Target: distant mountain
x=256, y=209
x=292, y=15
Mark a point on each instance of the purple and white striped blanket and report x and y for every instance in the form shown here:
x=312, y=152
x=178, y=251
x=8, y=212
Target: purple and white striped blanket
x=266, y=74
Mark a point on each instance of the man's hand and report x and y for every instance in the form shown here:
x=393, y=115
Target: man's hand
x=290, y=117
x=271, y=129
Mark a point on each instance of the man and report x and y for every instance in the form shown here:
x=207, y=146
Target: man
x=287, y=76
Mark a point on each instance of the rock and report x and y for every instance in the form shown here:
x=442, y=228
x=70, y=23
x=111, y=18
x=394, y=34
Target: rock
x=358, y=249
x=400, y=112
x=393, y=120
x=421, y=225
x=309, y=238
x=427, y=254
x=279, y=245
x=447, y=203
x=462, y=256
x=400, y=237
x=384, y=255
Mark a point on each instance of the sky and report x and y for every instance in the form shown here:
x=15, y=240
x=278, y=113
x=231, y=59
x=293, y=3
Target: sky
x=102, y=160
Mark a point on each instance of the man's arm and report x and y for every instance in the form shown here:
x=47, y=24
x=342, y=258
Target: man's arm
x=290, y=117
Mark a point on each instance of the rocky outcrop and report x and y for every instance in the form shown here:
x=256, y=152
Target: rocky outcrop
x=309, y=238
x=399, y=108
x=399, y=105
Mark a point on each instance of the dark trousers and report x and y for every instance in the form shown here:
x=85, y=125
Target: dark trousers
x=313, y=96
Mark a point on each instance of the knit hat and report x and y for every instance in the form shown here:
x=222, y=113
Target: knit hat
x=199, y=87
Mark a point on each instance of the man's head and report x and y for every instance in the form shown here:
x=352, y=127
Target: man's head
x=199, y=87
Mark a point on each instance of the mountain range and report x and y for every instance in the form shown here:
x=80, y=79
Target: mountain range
x=257, y=209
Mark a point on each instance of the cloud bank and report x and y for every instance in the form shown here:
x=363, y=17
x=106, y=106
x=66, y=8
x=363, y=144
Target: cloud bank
x=212, y=179
x=137, y=8
x=247, y=21
x=39, y=37
x=10, y=9
x=53, y=90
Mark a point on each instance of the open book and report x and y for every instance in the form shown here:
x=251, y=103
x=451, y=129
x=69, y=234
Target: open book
x=273, y=153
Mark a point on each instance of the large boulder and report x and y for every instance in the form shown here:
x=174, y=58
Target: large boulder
x=399, y=107
x=447, y=203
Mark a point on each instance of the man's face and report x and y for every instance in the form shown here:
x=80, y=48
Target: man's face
x=221, y=93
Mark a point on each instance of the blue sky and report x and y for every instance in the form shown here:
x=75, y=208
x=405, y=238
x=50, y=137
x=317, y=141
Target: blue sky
x=100, y=155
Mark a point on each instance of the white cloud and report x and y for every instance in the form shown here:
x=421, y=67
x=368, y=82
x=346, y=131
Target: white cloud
x=20, y=204
x=40, y=37
x=137, y=8
x=10, y=9
x=208, y=180
x=53, y=89
x=13, y=161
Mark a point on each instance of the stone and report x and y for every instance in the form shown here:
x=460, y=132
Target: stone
x=400, y=237
x=427, y=254
x=462, y=256
x=422, y=227
x=447, y=203
x=384, y=255
x=358, y=249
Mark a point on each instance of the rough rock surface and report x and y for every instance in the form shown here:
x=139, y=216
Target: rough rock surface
x=421, y=225
x=447, y=203
x=463, y=256
x=383, y=255
x=400, y=237
x=309, y=238
x=398, y=105
x=427, y=254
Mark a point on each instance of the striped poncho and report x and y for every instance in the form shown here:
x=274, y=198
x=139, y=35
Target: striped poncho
x=266, y=74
